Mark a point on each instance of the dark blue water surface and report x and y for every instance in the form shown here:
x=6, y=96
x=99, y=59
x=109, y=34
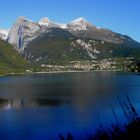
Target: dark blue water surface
x=40, y=106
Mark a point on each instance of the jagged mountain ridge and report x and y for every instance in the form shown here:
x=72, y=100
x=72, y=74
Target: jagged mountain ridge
x=24, y=31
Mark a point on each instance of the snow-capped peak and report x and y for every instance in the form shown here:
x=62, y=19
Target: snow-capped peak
x=79, y=20
x=4, y=34
x=79, y=24
x=63, y=26
x=51, y=24
x=44, y=21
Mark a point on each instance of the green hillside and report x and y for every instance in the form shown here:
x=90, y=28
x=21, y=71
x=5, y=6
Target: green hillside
x=61, y=48
x=10, y=60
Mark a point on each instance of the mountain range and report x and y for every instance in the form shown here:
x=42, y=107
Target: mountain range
x=24, y=31
x=50, y=43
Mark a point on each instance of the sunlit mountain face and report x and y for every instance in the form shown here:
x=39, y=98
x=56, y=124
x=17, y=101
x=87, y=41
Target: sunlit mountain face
x=77, y=45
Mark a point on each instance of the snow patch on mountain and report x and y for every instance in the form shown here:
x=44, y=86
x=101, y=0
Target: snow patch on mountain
x=78, y=24
x=44, y=21
x=63, y=26
x=48, y=23
x=79, y=20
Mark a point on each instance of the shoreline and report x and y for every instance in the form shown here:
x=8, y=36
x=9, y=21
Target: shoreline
x=49, y=72
x=55, y=72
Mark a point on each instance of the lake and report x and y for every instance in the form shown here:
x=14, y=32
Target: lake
x=40, y=106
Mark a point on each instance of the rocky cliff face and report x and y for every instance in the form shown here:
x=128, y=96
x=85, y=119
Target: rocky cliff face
x=22, y=32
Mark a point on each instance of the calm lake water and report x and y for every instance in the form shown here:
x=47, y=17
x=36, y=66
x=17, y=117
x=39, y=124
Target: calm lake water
x=40, y=106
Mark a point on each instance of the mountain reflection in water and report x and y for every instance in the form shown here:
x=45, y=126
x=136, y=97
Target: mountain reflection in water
x=29, y=103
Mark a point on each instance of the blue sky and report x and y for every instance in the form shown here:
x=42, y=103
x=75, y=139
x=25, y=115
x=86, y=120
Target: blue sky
x=122, y=16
